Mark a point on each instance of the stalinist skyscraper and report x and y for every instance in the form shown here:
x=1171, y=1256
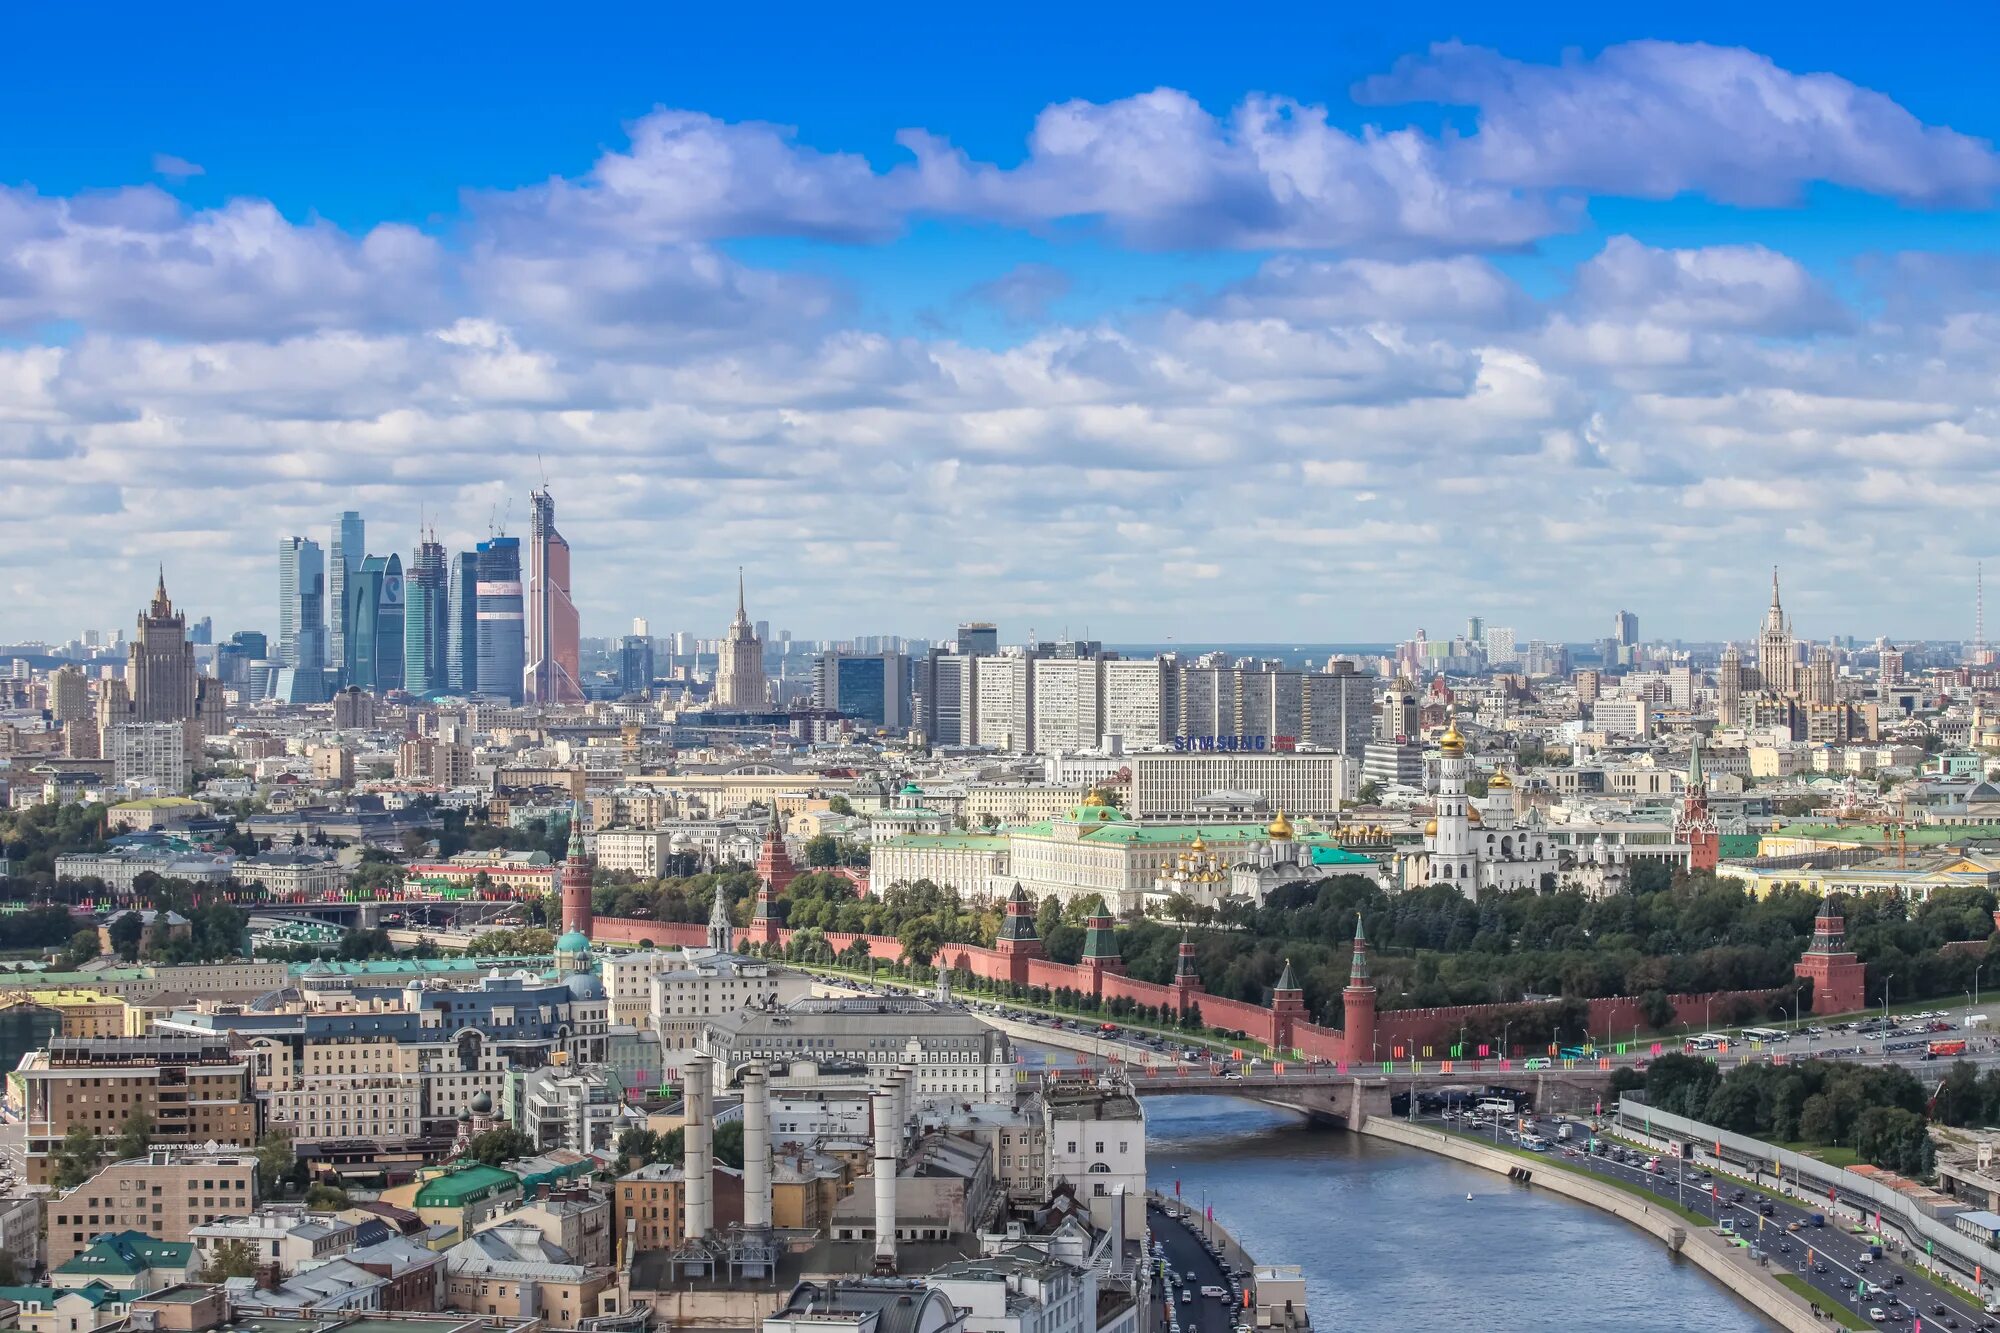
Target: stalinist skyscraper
x=160, y=671
x=739, y=677
x=1777, y=659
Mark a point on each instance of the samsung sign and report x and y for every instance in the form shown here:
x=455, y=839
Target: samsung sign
x=1233, y=744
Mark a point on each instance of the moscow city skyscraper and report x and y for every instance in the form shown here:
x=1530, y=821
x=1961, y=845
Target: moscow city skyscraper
x=301, y=604
x=552, y=665
x=461, y=637
x=499, y=618
x=375, y=624
x=424, y=625
x=350, y=547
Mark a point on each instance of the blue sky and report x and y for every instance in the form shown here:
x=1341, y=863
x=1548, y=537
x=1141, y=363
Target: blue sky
x=1590, y=308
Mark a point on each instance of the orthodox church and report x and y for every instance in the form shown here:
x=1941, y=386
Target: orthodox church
x=1474, y=850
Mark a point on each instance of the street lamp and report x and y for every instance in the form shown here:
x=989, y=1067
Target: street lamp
x=1885, y=994
x=1505, y=1028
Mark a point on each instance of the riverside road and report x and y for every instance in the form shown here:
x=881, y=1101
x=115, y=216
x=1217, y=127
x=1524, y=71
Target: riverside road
x=1829, y=1258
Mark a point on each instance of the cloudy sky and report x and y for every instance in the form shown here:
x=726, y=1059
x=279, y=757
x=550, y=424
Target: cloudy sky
x=1118, y=322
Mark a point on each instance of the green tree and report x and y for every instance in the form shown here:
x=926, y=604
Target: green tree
x=728, y=1144
x=134, y=1137
x=77, y=1157
x=500, y=1145
x=82, y=948
x=839, y=805
x=275, y=1160
x=822, y=850
x=921, y=939
x=1370, y=793
x=126, y=933
x=326, y=1198
x=231, y=1258
x=520, y=941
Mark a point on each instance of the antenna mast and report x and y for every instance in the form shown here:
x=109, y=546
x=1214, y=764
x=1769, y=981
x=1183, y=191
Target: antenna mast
x=1979, y=614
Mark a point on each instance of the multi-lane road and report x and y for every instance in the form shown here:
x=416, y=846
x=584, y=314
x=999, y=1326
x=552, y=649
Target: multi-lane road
x=1830, y=1258
x=1194, y=1266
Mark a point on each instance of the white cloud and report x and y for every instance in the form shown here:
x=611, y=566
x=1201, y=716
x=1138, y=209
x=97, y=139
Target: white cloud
x=176, y=168
x=1744, y=287
x=1655, y=119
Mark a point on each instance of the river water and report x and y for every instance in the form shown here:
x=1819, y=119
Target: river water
x=1387, y=1238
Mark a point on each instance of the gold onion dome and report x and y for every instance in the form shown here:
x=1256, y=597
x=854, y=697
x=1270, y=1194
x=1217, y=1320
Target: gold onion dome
x=1499, y=779
x=1095, y=797
x=1279, y=828
x=1430, y=828
x=1472, y=815
x=1197, y=846
x=1452, y=742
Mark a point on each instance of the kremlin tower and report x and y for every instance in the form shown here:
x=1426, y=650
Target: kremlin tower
x=1693, y=824
x=1357, y=1032
x=573, y=949
x=774, y=863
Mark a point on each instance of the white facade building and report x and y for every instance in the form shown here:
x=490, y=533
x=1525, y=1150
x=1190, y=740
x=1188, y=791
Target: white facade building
x=1169, y=785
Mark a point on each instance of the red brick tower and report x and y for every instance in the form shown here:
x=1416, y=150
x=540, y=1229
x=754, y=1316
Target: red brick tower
x=1187, y=982
x=1357, y=1031
x=576, y=872
x=1288, y=1007
x=1100, y=947
x=1018, y=941
x=1693, y=824
x=1839, y=979
x=774, y=863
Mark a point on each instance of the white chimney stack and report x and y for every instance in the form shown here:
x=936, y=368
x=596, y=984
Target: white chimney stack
x=756, y=1147
x=698, y=1164
x=887, y=1137
x=906, y=1105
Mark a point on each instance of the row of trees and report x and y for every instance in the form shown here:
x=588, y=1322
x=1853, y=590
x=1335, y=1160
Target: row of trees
x=1876, y=1111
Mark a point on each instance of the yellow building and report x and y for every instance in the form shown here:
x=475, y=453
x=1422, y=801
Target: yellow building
x=1915, y=880
x=84, y=1013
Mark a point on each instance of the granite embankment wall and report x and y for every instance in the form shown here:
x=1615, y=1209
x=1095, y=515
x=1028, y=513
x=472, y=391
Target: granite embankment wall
x=1726, y=1263
x=1399, y=1033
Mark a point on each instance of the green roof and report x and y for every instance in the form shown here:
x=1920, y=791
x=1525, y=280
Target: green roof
x=1338, y=856
x=96, y=1293
x=156, y=803
x=573, y=941
x=468, y=1184
x=973, y=842
x=1736, y=846
x=128, y=1254
x=390, y=967
x=1933, y=835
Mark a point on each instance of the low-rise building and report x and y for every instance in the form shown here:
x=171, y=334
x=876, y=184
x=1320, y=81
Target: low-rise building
x=165, y=1195
x=195, y=1090
x=686, y=997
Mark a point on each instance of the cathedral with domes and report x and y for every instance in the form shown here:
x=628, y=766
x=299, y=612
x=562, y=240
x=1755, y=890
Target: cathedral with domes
x=1471, y=849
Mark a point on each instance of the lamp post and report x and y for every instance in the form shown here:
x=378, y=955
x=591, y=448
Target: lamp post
x=1505, y=1028
x=1885, y=995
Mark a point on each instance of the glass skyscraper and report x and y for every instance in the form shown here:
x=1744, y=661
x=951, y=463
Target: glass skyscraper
x=424, y=668
x=350, y=546
x=502, y=641
x=301, y=604
x=461, y=635
x=375, y=624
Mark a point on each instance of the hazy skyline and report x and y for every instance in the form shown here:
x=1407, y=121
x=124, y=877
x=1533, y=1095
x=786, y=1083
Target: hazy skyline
x=1309, y=335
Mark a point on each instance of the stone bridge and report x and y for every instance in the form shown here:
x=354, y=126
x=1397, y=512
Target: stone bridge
x=1348, y=1100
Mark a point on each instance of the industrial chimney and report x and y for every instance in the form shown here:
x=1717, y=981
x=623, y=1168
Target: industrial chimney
x=756, y=1147
x=697, y=1141
x=887, y=1136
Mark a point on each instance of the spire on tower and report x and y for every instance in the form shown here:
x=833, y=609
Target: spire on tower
x=741, y=614
x=1357, y=975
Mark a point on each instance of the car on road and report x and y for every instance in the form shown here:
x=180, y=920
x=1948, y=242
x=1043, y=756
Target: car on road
x=1819, y=1268
x=1877, y=1313
x=1214, y=1292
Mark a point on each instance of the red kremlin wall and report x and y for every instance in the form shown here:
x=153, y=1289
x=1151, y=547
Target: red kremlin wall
x=1410, y=1029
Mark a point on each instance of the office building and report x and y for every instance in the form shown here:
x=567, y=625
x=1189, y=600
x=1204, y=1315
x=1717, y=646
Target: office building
x=302, y=605
x=739, y=675
x=425, y=669
x=1069, y=703
x=1340, y=707
x=941, y=697
x=375, y=624
x=1625, y=629
x=954, y=1053
x=195, y=1090
x=501, y=612
x=349, y=549
x=1188, y=786
x=635, y=664
x=1141, y=701
x=461, y=636
x=165, y=1194
x=152, y=755
x=1004, y=702
x=978, y=638
x=872, y=689
x=552, y=668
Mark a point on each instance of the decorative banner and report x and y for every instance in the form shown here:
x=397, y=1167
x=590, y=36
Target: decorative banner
x=1483, y=1050
x=1445, y=1068
x=1397, y=1052
x=1427, y=1052
x=1340, y=1067
x=1656, y=1048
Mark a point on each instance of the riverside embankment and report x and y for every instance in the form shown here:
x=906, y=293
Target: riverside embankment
x=1726, y=1263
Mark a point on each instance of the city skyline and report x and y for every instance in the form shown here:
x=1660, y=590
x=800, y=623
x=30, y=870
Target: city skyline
x=1310, y=337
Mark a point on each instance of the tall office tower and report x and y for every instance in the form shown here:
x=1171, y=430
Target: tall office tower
x=641, y=628
x=425, y=668
x=301, y=604
x=551, y=671
x=1625, y=629
x=350, y=548
x=1069, y=703
x=978, y=638
x=1004, y=702
x=1397, y=718
x=1892, y=665
x=501, y=644
x=942, y=703
x=160, y=670
x=1475, y=629
x=202, y=631
x=461, y=633
x=739, y=676
x=375, y=624
x=635, y=663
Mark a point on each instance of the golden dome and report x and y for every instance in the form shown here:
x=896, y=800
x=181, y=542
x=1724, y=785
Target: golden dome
x=1197, y=846
x=1280, y=828
x=1500, y=780
x=1095, y=796
x=1451, y=742
x=1472, y=816
x=1430, y=828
